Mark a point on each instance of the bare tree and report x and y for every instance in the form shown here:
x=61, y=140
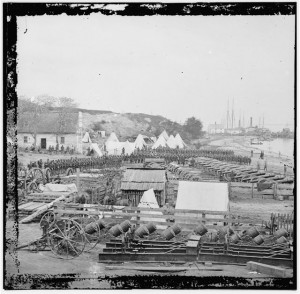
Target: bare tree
x=35, y=108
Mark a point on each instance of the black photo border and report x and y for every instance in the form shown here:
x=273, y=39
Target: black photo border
x=10, y=102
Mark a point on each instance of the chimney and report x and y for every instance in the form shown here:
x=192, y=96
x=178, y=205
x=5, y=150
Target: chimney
x=250, y=122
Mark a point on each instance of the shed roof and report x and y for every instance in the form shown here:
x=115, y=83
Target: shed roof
x=142, y=186
x=48, y=122
x=139, y=179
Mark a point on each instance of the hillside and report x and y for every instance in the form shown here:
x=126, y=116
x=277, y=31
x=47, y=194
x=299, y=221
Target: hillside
x=127, y=125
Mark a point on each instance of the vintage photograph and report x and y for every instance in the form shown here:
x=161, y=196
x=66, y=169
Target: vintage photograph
x=149, y=146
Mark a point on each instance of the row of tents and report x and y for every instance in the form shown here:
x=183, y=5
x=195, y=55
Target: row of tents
x=113, y=146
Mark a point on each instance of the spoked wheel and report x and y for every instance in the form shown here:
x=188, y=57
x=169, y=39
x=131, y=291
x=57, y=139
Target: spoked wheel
x=38, y=175
x=29, y=176
x=31, y=187
x=69, y=171
x=67, y=238
x=92, y=231
x=47, y=221
x=48, y=175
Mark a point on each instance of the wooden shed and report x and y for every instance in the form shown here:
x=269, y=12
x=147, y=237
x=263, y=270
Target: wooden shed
x=136, y=181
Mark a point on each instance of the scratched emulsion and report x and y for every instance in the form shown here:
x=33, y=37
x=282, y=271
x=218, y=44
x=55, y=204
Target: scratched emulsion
x=10, y=14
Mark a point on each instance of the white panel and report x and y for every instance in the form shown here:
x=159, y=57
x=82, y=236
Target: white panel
x=202, y=196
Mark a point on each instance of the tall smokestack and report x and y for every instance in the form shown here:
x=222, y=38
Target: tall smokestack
x=251, y=122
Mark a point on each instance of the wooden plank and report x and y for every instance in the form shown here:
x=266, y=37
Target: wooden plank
x=153, y=216
x=285, y=186
x=141, y=215
x=25, y=205
x=34, y=206
x=41, y=210
x=128, y=208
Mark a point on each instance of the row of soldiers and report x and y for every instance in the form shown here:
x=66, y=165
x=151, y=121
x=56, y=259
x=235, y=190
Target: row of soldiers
x=117, y=160
x=61, y=149
x=187, y=152
x=64, y=164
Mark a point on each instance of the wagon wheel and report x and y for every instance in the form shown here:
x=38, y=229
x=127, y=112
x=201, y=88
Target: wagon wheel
x=47, y=220
x=67, y=238
x=31, y=187
x=48, y=175
x=92, y=239
x=29, y=176
x=69, y=171
x=38, y=175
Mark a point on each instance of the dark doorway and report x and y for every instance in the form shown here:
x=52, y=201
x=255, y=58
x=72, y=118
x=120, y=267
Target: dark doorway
x=43, y=143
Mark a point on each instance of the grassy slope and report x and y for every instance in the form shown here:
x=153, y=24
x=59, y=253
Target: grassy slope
x=131, y=124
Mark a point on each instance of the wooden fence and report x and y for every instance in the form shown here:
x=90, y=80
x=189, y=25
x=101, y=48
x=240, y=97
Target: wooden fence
x=249, y=190
x=187, y=219
x=279, y=221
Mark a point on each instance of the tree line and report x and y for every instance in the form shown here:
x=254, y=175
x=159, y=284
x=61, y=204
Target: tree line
x=42, y=104
x=37, y=107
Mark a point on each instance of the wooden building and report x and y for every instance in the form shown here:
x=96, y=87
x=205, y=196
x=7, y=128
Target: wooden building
x=136, y=181
x=51, y=130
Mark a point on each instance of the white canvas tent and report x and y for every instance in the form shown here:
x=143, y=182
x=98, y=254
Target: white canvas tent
x=112, y=138
x=171, y=142
x=148, y=200
x=179, y=142
x=203, y=196
x=160, y=142
x=139, y=142
x=96, y=148
x=165, y=135
x=113, y=148
x=86, y=138
x=129, y=147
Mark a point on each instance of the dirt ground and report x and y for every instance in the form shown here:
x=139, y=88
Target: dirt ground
x=260, y=209
x=88, y=266
x=89, y=270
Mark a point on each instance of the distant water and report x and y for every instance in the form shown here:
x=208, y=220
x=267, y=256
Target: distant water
x=284, y=146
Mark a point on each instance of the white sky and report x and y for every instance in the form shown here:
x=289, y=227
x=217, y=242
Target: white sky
x=175, y=66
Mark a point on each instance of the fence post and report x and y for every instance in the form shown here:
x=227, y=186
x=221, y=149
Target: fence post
x=274, y=194
x=25, y=184
x=203, y=216
x=252, y=190
x=77, y=182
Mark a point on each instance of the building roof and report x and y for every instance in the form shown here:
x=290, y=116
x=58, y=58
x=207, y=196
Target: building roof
x=48, y=122
x=140, y=179
x=142, y=186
